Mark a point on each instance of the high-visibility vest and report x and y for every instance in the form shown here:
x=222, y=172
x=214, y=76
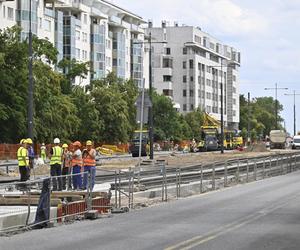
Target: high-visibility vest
x=22, y=155
x=77, y=161
x=56, y=156
x=88, y=160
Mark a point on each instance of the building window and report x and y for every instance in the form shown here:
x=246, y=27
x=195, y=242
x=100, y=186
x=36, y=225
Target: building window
x=208, y=69
x=192, y=106
x=40, y=22
x=184, y=78
x=167, y=63
x=4, y=12
x=184, y=93
x=168, y=92
x=165, y=36
x=234, y=90
x=191, y=93
x=85, y=18
x=184, y=107
x=184, y=51
x=208, y=82
x=197, y=39
x=84, y=37
x=78, y=54
x=47, y=25
x=184, y=65
x=10, y=13
x=115, y=62
x=167, y=78
x=77, y=34
x=191, y=64
x=234, y=78
x=168, y=51
x=191, y=78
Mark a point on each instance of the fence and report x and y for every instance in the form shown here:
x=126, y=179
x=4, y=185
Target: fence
x=36, y=204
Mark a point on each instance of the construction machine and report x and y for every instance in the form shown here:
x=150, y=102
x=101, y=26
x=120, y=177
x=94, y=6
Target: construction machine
x=209, y=140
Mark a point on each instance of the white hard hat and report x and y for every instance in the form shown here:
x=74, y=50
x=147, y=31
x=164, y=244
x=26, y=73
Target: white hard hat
x=56, y=140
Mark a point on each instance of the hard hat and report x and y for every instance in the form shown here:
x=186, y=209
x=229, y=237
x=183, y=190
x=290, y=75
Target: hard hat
x=89, y=143
x=77, y=143
x=65, y=145
x=43, y=144
x=56, y=141
x=22, y=141
x=29, y=140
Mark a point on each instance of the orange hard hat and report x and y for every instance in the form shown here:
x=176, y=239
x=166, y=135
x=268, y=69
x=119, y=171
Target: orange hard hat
x=77, y=143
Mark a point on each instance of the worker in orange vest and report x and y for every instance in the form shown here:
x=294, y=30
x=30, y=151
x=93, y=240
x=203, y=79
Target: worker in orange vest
x=76, y=165
x=89, y=163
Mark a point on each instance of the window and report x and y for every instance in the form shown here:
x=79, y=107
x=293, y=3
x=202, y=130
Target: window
x=184, y=51
x=184, y=107
x=184, y=93
x=84, y=37
x=208, y=82
x=108, y=61
x=234, y=113
x=99, y=57
x=78, y=54
x=191, y=78
x=234, y=90
x=234, y=101
x=191, y=93
x=167, y=78
x=115, y=62
x=168, y=92
x=167, y=63
x=168, y=51
x=77, y=34
x=165, y=36
x=191, y=64
x=47, y=25
x=184, y=78
x=192, y=106
x=40, y=22
x=184, y=65
x=85, y=18
x=234, y=78
x=208, y=95
x=197, y=39
x=208, y=69
x=10, y=13
x=4, y=12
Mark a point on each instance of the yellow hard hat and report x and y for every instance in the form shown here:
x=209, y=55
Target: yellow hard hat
x=89, y=143
x=22, y=141
x=29, y=140
x=65, y=145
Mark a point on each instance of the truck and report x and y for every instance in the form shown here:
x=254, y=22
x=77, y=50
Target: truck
x=296, y=142
x=277, y=139
x=135, y=143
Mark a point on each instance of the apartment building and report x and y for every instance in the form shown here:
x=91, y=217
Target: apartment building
x=190, y=68
x=99, y=32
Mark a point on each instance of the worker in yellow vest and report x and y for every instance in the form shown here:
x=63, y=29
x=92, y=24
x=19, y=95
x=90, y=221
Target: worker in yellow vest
x=23, y=160
x=89, y=163
x=55, y=164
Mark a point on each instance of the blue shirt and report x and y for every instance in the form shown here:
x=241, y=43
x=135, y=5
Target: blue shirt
x=30, y=152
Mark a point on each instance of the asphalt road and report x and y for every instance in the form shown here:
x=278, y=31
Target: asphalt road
x=259, y=215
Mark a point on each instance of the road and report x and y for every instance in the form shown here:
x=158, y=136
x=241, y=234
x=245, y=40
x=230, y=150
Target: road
x=258, y=215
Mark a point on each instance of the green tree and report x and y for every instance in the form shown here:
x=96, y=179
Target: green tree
x=195, y=121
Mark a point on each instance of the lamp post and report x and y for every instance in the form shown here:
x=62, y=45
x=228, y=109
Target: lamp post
x=150, y=118
x=222, y=104
x=30, y=78
x=276, y=104
x=294, y=94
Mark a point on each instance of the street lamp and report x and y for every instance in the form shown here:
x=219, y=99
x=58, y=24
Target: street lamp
x=276, y=104
x=294, y=94
x=30, y=78
x=150, y=118
x=222, y=105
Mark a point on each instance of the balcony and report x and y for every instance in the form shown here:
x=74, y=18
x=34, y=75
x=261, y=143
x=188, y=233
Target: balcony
x=97, y=13
x=49, y=12
x=115, y=21
x=136, y=29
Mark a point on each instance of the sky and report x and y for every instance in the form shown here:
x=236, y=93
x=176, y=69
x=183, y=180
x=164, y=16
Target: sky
x=267, y=33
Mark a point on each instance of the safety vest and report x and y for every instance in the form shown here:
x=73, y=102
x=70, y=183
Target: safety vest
x=88, y=160
x=77, y=161
x=56, y=156
x=22, y=155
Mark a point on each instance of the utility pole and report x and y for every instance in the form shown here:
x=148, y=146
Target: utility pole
x=30, y=77
x=249, y=113
x=294, y=94
x=222, y=111
x=276, y=102
x=150, y=95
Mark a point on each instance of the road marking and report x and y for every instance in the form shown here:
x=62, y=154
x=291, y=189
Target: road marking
x=201, y=239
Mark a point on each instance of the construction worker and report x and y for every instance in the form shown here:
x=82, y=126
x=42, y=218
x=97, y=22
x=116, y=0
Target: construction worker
x=66, y=167
x=23, y=160
x=30, y=152
x=55, y=164
x=89, y=163
x=76, y=165
x=43, y=152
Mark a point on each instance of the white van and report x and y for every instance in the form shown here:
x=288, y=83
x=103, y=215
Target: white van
x=296, y=142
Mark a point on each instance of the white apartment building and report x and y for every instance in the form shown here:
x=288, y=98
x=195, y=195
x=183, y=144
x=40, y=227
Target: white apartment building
x=187, y=68
x=95, y=31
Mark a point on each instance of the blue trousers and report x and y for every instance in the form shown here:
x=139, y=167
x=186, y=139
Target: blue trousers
x=92, y=172
x=77, y=180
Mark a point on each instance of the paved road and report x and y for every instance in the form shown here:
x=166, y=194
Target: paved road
x=260, y=215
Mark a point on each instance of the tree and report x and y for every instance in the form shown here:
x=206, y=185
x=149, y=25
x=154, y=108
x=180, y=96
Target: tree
x=195, y=121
